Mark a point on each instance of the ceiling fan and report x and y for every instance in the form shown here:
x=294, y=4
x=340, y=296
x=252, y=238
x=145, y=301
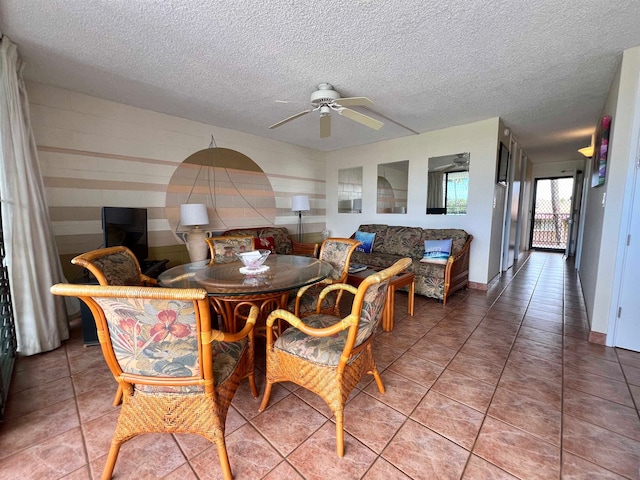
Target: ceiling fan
x=459, y=162
x=325, y=100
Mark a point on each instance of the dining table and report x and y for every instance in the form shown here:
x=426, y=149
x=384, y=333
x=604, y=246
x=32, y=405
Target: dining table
x=232, y=292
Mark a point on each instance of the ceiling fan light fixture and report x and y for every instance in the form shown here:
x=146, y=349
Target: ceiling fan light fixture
x=325, y=99
x=324, y=94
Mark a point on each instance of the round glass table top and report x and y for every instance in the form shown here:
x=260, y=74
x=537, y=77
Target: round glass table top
x=285, y=272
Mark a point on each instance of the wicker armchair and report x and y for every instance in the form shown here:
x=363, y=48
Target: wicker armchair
x=114, y=266
x=224, y=249
x=177, y=374
x=326, y=355
x=337, y=252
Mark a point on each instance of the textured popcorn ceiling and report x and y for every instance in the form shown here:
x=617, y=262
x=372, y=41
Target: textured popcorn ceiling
x=543, y=66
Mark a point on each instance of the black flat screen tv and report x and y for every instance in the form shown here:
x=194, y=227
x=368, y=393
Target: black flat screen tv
x=128, y=227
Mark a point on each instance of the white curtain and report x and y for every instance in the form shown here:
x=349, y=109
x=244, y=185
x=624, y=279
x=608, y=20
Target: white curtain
x=435, y=190
x=31, y=254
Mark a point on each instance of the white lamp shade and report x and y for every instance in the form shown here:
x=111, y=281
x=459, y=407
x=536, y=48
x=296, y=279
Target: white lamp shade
x=300, y=203
x=194, y=214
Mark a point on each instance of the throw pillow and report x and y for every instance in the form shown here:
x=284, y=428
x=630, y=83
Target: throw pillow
x=265, y=243
x=367, y=241
x=437, y=251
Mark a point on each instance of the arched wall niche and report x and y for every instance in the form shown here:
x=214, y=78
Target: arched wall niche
x=235, y=189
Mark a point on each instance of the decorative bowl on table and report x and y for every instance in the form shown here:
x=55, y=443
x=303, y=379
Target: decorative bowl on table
x=253, y=261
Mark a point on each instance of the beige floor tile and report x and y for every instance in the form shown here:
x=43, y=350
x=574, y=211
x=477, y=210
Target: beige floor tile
x=422, y=454
x=478, y=373
x=517, y=452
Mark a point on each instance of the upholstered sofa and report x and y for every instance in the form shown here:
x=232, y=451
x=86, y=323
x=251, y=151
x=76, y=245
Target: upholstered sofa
x=283, y=243
x=436, y=280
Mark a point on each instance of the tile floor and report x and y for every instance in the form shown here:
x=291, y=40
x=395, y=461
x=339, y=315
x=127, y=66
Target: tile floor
x=496, y=385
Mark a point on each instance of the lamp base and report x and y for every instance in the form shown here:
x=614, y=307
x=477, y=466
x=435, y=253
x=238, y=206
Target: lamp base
x=196, y=244
x=299, y=233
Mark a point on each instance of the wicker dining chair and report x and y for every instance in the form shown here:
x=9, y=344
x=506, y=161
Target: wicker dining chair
x=337, y=252
x=329, y=355
x=115, y=266
x=224, y=249
x=178, y=375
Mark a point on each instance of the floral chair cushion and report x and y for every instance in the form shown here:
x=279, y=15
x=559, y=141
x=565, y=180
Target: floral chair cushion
x=158, y=338
x=321, y=350
x=119, y=269
x=226, y=356
x=225, y=250
x=336, y=253
x=309, y=300
x=371, y=313
x=327, y=350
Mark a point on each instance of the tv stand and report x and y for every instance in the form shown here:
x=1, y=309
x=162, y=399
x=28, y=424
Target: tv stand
x=153, y=268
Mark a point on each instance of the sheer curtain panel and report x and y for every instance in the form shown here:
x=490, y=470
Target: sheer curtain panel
x=435, y=190
x=31, y=254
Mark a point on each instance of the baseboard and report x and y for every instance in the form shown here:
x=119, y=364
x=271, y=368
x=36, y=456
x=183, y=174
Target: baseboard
x=597, y=337
x=477, y=286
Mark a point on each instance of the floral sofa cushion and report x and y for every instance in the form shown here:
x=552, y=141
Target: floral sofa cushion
x=393, y=242
x=284, y=246
x=282, y=239
x=374, y=259
x=241, y=232
x=404, y=241
x=158, y=338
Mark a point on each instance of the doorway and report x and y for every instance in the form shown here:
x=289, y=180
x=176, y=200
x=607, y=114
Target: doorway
x=550, y=219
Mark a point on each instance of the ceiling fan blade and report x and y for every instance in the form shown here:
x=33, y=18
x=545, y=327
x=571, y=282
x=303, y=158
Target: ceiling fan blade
x=293, y=117
x=325, y=126
x=354, y=102
x=361, y=118
x=442, y=168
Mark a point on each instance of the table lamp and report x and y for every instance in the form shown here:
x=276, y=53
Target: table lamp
x=299, y=204
x=195, y=215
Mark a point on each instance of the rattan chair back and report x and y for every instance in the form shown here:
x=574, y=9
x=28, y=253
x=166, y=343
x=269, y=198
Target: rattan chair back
x=114, y=266
x=329, y=355
x=224, y=249
x=178, y=375
x=337, y=252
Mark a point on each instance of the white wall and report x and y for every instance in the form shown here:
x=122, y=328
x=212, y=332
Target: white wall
x=479, y=138
x=602, y=240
